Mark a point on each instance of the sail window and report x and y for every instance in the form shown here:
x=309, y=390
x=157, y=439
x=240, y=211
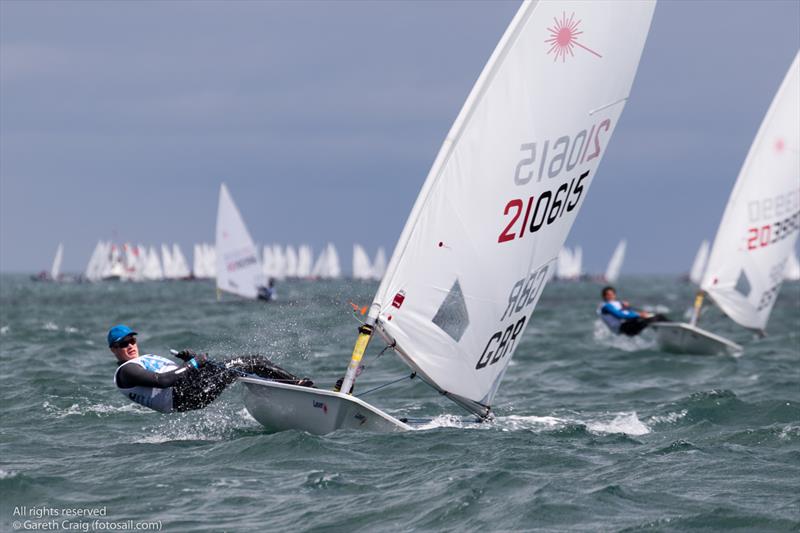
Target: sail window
x=743, y=285
x=452, y=316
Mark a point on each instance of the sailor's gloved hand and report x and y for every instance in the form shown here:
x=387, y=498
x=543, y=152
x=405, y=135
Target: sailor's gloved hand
x=199, y=360
x=186, y=354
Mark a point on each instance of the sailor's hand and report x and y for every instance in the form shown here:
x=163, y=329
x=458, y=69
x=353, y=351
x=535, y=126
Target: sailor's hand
x=199, y=360
x=186, y=354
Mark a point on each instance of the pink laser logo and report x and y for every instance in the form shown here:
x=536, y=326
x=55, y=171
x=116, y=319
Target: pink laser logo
x=564, y=38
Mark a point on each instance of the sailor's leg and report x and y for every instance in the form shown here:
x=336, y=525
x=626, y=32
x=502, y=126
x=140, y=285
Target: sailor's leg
x=200, y=388
x=633, y=326
x=263, y=367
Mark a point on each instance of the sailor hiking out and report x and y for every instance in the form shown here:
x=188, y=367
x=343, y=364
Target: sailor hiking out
x=166, y=386
x=620, y=317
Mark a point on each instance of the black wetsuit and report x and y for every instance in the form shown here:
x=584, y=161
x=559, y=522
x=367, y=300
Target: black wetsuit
x=634, y=326
x=196, y=388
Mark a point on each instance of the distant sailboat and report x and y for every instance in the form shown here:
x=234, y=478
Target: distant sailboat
x=55, y=269
x=379, y=264
x=305, y=260
x=238, y=268
x=757, y=233
x=291, y=262
x=470, y=264
x=362, y=269
x=615, y=263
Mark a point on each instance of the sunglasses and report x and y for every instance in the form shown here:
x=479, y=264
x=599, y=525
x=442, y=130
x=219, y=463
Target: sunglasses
x=124, y=343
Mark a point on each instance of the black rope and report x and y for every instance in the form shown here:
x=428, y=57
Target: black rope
x=411, y=376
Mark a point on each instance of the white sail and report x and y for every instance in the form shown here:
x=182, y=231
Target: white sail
x=305, y=258
x=179, y=263
x=198, y=262
x=267, y=263
x=577, y=262
x=93, y=268
x=210, y=256
x=238, y=267
x=564, y=263
x=699, y=264
x=379, y=265
x=615, y=263
x=152, y=269
x=114, y=267
x=279, y=262
x=504, y=192
x=332, y=270
x=167, y=262
x=55, y=270
x=320, y=267
x=362, y=269
x=792, y=272
x=291, y=262
x=759, y=228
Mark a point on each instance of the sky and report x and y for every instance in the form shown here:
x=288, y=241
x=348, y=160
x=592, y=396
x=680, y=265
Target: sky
x=119, y=120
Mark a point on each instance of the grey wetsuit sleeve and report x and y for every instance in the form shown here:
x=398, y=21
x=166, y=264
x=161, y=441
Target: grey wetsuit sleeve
x=135, y=376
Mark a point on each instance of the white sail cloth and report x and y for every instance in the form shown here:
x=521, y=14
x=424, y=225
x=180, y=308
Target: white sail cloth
x=504, y=192
x=699, y=264
x=615, y=263
x=759, y=228
x=238, y=268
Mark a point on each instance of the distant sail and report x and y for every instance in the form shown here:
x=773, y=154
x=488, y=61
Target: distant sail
x=759, y=228
x=362, y=269
x=291, y=262
x=305, y=259
x=55, y=270
x=379, y=265
x=615, y=263
x=238, y=268
x=699, y=264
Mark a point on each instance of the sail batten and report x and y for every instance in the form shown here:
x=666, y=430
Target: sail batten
x=496, y=207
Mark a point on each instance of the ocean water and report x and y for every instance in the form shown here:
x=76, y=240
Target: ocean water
x=592, y=432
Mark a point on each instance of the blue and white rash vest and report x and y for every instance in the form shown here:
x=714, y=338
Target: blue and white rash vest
x=614, y=314
x=159, y=399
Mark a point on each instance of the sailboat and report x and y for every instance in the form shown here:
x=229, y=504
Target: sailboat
x=238, y=268
x=362, y=269
x=55, y=269
x=615, y=263
x=379, y=264
x=493, y=212
x=757, y=233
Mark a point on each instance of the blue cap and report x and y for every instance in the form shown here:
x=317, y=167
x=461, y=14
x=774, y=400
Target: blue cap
x=119, y=332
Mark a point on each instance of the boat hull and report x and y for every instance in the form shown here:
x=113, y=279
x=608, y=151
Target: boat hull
x=684, y=338
x=280, y=407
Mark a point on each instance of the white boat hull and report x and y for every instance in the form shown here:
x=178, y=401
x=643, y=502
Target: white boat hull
x=280, y=407
x=685, y=338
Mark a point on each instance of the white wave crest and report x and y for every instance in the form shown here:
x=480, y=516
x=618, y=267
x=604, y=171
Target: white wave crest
x=97, y=409
x=627, y=423
x=621, y=342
